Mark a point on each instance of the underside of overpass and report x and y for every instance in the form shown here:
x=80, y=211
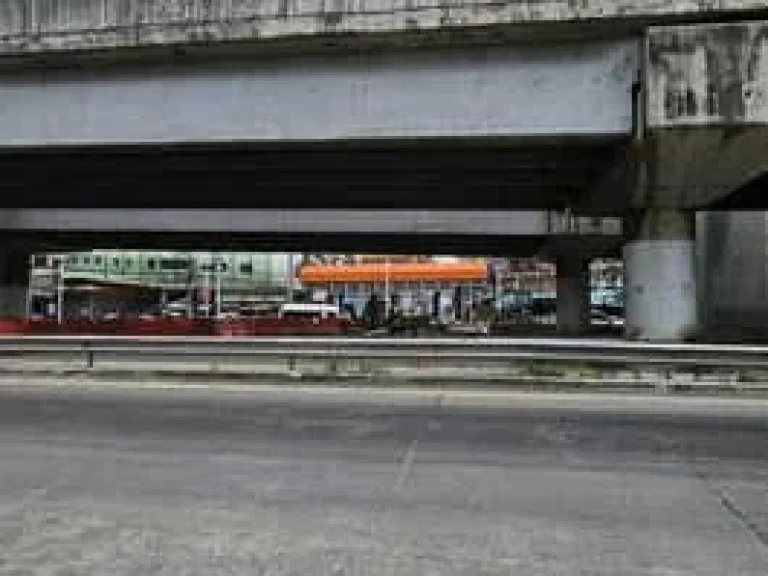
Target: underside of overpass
x=752, y=196
x=530, y=173
x=344, y=243
x=442, y=196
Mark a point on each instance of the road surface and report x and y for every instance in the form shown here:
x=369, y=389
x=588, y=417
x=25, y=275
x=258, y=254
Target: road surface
x=123, y=482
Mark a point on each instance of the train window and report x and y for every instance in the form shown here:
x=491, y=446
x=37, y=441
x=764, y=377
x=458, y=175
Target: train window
x=87, y=260
x=128, y=262
x=72, y=259
x=174, y=264
x=97, y=260
x=151, y=264
x=116, y=262
x=246, y=268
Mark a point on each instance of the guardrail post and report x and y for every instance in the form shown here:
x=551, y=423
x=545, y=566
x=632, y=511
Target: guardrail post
x=333, y=365
x=364, y=366
x=662, y=384
x=88, y=355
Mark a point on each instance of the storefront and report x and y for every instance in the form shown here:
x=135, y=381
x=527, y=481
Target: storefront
x=445, y=291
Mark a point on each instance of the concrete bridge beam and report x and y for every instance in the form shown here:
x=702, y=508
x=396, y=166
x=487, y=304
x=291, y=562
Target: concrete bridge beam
x=29, y=27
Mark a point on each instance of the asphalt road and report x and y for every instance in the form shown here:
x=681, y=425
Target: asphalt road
x=134, y=483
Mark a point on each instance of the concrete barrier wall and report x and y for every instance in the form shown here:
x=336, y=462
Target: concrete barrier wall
x=733, y=273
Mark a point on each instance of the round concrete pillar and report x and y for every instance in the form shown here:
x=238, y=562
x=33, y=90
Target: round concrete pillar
x=660, y=285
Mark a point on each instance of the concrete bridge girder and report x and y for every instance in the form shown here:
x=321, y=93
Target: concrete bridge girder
x=38, y=26
x=504, y=92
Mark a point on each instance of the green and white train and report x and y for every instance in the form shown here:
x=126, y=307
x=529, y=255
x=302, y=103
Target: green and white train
x=233, y=271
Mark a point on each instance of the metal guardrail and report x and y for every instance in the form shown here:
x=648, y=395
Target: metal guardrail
x=92, y=351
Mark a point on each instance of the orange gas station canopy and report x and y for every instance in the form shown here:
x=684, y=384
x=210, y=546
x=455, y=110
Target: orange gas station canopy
x=380, y=272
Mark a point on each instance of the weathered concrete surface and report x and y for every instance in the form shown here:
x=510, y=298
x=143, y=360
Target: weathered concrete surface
x=437, y=231
x=701, y=119
x=660, y=284
x=706, y=112
x=516, y=90
x=733, y=275
x=501, y=223
x=707, y=74
x=34, y=26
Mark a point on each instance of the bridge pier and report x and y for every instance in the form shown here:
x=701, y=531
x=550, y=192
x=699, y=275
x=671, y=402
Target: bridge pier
x=572, y=288
x=659, y=260
x=14, y=283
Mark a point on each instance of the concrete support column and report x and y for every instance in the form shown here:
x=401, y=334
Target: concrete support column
x=572, y=293
x=660, y=264
x=14, y=283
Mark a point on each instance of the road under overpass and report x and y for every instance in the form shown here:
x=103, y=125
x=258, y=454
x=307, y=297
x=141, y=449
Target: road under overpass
x=464, y=196
x=505, y=196
x=495, y=196
x=570, y=240
x=650, y=126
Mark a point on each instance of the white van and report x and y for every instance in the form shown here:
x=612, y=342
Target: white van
x=309, y=310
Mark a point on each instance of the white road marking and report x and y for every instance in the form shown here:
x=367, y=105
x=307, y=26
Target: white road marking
x=406, y=466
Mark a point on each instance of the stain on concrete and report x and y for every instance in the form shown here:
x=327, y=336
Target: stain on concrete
x=704, y=73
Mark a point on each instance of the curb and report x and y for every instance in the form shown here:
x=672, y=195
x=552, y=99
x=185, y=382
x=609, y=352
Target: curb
x=417, y=381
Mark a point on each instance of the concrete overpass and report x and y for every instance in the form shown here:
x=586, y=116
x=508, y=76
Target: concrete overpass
x=31, y=27
x=644, y=110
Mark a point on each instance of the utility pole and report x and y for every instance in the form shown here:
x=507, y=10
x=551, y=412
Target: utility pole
x=291, y=276
x=218, y=285
x=60, y=290
x=387, y=289
x=30, y=287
